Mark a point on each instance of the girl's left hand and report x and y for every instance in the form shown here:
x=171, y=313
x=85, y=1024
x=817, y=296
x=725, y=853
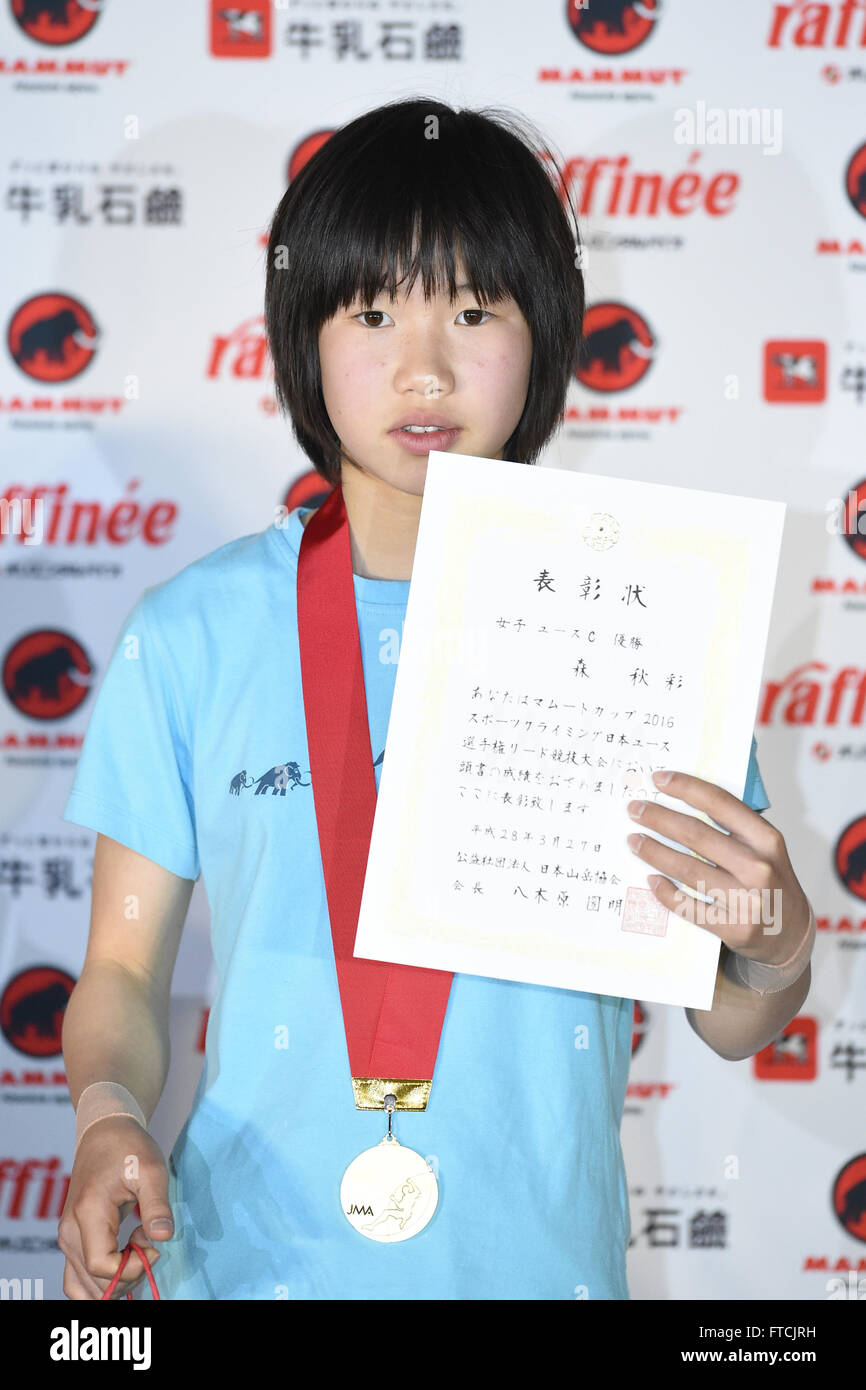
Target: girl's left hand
x=759, y=909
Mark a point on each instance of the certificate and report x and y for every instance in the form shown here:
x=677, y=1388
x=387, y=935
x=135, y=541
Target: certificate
x=566, y=635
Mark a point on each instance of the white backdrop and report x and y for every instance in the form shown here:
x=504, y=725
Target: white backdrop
x=146, y=148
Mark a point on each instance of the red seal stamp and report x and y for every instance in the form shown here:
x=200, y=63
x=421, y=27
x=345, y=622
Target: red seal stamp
x=644, y=913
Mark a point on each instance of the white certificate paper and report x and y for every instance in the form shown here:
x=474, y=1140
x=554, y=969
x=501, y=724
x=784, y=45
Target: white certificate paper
x=565, y=636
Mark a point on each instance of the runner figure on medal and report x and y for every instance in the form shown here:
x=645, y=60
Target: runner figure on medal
x=409, y=1193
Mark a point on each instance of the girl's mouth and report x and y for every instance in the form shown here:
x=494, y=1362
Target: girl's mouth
x=421, y=442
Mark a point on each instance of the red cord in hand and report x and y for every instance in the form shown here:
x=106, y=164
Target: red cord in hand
x=126, y=1254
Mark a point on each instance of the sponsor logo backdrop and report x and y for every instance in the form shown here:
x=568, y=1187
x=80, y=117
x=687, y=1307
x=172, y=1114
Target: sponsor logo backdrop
x=717, y=158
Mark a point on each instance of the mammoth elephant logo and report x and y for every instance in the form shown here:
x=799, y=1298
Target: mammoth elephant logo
x=52, y=337
x=854, y=531
x=32, y=1008
x=849, y=1197
x=855, y=180
x=617, y=349
x=56, y=22
x=47, y=673
x=612, y=26
x=850, y=857
x=277, y=778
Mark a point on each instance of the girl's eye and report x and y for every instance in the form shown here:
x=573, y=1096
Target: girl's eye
x=380, y=313
x=366, y=312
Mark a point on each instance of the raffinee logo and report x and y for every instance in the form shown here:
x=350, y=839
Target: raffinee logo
x=76, y=1343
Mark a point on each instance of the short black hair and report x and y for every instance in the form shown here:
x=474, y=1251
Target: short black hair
x=401, y=188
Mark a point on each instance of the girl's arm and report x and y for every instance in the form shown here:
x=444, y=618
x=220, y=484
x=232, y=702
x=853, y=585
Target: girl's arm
x=741, y=1021
x=116, y=1025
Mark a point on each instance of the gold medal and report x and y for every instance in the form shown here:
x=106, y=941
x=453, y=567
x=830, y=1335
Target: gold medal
x=389, y=1192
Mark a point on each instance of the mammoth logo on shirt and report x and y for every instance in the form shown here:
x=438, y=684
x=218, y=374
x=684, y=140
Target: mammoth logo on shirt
x=276, y=779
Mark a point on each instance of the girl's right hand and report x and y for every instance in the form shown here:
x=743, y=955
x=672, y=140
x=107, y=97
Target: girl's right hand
x=117, y=1163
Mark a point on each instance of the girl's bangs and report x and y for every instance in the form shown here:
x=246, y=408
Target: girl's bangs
x=440, y=245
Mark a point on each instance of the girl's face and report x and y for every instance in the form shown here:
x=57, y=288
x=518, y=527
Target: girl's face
x=385, y=361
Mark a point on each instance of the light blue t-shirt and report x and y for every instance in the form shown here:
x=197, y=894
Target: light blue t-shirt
x=196, y=756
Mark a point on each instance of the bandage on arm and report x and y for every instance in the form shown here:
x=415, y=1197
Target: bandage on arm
x=770, y=979
x=101, y=1100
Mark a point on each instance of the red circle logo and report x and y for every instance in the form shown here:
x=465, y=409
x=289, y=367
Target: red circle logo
x=47, y=674
x=850, y=857
x=854, y=520
x=612, y=26
x=52, y=337
x=32, y=1009
x=617, y=347
x=310, y=490
x=855, y=180
x=640, y=1026
x=849, y=1197
x=56, y=22
x=304, y=151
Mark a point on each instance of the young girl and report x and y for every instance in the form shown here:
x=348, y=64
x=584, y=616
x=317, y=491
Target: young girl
x=421, y=272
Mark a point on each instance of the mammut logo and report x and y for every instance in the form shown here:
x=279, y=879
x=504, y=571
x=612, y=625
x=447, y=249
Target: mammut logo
x=849, y=1197
x=850, y=857
x=32, y=1006
x=855, y=180
x=278, y=777
x=611, y=26
x=49, y=21
x=52, y=337
x=618, y=347
x=46, y=674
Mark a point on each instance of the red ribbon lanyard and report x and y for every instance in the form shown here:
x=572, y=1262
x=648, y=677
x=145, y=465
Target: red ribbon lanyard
x=392, y=1014
x=127, y=1251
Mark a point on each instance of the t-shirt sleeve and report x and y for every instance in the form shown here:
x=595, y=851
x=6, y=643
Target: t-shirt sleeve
x=754, y=792
x=134, y=776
